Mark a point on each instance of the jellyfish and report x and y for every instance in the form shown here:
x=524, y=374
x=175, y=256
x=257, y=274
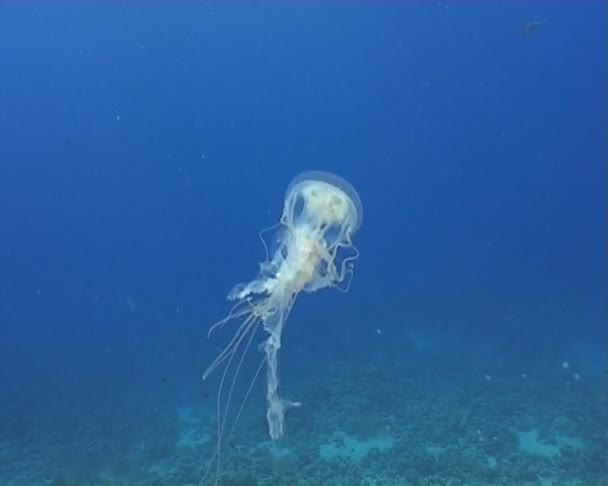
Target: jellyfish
x=312, y=250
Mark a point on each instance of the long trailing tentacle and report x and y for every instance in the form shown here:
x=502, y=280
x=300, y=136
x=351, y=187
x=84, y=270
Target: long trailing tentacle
x=249, y=326
x=241, y=308
x=244, y=401
x=221, y=417
x=233, y=382
x=234, y=342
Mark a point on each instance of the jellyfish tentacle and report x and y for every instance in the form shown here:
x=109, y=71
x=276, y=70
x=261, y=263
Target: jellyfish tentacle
x=249, y=326
x=251, y=321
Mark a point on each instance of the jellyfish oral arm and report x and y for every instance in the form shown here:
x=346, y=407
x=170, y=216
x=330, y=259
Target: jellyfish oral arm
x=275, y=411
x=271, y=296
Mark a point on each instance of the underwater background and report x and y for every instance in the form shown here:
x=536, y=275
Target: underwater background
x=143, y=146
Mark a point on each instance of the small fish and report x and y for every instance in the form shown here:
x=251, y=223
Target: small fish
x=532, y=26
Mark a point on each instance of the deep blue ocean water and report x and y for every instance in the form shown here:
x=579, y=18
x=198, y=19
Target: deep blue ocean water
x=144, y=146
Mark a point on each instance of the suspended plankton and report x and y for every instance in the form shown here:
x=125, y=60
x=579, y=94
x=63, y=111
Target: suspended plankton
x=314, y=250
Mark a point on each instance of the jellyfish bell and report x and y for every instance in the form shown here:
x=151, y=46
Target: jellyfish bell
x=320, y=215
x=322, y=212
x=324, y=201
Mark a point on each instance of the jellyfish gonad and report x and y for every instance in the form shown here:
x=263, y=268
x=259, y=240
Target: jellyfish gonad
x=314, y=250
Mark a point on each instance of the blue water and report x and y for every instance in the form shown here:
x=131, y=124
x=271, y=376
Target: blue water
x=142, y=149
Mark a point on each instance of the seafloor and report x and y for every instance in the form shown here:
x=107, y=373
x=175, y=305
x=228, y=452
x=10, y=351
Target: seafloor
x=359, y=424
